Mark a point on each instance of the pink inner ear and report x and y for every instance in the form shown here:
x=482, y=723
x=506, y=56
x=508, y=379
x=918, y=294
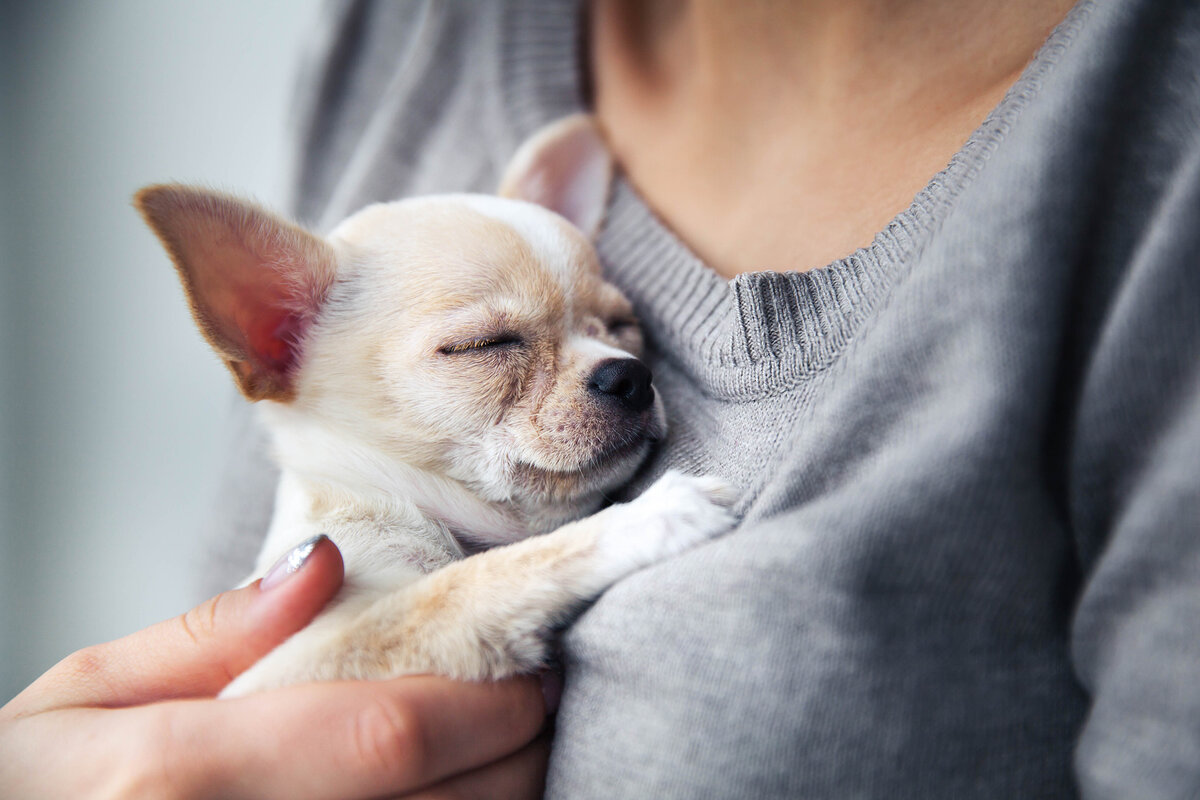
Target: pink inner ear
x=274, y=338
x=585, y=188
x=251, y=306
x=572, y=179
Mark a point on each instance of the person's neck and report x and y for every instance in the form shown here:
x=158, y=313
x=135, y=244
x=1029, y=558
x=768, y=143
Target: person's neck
x=707, y=103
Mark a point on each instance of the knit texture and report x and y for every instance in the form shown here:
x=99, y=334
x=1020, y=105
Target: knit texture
x=969, y=565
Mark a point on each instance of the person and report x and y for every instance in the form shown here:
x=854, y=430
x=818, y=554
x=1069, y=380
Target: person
x=919, y=278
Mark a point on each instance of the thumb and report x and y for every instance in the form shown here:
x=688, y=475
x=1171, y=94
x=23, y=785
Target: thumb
x=198, y=652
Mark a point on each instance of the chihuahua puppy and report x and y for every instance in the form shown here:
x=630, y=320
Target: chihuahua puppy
x=442, y=378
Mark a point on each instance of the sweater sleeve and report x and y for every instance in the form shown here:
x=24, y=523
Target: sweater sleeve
x=1135, y=506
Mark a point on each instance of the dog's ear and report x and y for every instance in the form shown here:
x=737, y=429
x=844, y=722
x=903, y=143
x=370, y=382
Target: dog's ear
x=565, y=167
x=254, y=281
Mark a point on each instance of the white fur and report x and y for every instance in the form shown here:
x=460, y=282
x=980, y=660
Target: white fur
x=536, y=225
x=677, y=512
x=595, y=349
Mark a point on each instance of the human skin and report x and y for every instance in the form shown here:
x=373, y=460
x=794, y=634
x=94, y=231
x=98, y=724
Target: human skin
x=138, y=717
x=784, y=134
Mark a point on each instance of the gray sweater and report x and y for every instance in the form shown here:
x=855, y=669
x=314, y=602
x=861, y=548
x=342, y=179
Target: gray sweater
x=970, y=560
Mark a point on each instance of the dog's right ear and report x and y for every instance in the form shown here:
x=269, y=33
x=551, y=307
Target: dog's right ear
x=566, y=168
x=254, y=281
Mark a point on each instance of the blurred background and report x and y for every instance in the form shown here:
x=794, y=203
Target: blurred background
x=112, y=408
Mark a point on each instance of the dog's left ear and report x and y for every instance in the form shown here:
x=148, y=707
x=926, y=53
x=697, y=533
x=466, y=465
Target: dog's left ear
x=566, y=168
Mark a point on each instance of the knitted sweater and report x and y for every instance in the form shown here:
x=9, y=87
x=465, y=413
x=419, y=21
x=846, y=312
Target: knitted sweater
x=969, y=565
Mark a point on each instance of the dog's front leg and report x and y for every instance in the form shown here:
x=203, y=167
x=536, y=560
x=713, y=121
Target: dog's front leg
x=489, y=616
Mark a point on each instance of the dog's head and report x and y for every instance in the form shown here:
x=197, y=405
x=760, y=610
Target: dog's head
x=467, y=337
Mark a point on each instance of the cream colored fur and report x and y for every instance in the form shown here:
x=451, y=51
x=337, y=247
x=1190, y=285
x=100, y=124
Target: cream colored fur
x=427, y=373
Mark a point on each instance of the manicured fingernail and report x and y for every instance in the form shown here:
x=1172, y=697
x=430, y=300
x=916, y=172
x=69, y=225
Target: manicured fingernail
x=552, y=687
x=291, y=563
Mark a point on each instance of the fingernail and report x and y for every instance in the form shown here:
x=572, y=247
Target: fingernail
x=291, y=563
x=552, y=688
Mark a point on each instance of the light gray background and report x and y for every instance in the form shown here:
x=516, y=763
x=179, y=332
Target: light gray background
x=111, y=406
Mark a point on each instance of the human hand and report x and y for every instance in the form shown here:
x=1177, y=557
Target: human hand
x=138, y=716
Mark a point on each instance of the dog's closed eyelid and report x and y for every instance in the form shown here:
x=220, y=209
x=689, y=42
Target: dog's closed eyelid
x=481, y=343
x=622, y=327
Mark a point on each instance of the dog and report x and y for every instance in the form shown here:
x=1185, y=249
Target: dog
x=451, y=389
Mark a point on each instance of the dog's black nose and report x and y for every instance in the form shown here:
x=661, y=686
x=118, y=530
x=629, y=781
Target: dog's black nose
x=625, y=381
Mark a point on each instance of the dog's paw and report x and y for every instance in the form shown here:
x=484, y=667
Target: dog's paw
x=304, y=658
x=311, y=654
x=676, y=513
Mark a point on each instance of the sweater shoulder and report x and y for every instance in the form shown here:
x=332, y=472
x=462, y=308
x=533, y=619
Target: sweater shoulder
x=398, y=99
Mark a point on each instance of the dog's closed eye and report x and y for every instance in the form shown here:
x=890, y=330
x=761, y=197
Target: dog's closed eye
x=620, y=325
x=481, y=343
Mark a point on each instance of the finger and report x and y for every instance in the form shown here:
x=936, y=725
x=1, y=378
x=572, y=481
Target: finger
x=196, y=653
x=521, y=776
x=352, y=739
